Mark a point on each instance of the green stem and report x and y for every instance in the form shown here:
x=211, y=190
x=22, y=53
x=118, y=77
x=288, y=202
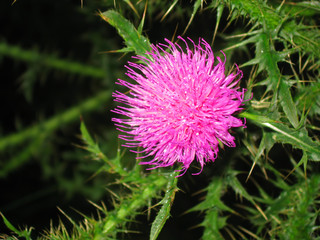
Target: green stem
x=32, y=56
x=56, y=121
x=128, y=208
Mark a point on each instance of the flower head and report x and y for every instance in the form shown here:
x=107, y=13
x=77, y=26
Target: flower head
x=180, y=105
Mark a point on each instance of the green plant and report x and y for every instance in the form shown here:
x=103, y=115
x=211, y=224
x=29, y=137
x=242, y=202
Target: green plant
x=267, y=187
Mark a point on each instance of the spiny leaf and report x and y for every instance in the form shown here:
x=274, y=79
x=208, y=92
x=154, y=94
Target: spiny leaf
x=269, y=59
x=299, y=139
x=166, y=202
x=94, y=148
x=266, y=143
x=308, y=98
x=304, y=38
x=257, y=11
x=301, y=8
x=213, y=198
x=128, y=208
x=212, y=225
x=282, y=133
x=315, y=5
x=287, y=103
x=133, y=39
x=234, y=183
x=276, y=21
x=294, y=209
x=212, y=206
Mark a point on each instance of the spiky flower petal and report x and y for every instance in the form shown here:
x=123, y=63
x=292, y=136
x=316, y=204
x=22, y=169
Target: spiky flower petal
x=180, y=105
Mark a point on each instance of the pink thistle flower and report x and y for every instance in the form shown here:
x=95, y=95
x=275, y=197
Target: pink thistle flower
x=180, y=105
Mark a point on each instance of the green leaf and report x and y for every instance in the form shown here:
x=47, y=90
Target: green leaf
x=287, y=103
x=212, y=224
x=304, y=160
x=256, y=117
x=308, y=98
x=266, y=144
x=213, y=206
x=315, y=5
x=128, y=207
x=166, y=202
x=295, y=208
x=282, y=133
x=215, y=190
x=91, y=145
x=257, y=10
x=234, y=183
x=133, y=39
x=299, y=139
x=94, y=148
x=26, y=233
x=8, y=224
x=269, y=59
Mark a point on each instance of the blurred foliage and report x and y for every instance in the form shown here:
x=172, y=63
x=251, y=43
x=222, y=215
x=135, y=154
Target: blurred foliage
x=266, y=188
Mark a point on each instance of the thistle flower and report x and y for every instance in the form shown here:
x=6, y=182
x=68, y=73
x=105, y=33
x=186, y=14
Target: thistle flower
x=180, y=105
